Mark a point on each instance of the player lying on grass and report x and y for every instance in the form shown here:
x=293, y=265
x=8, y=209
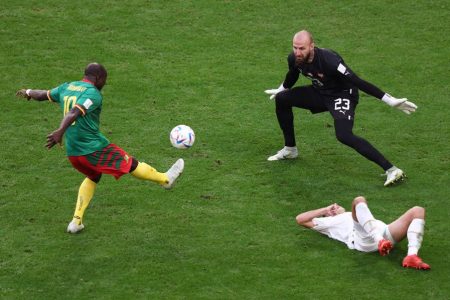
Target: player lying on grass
x=361, y=231
x=89, y=151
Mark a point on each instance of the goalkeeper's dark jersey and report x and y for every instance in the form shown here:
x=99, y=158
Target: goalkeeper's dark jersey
x=329, y=75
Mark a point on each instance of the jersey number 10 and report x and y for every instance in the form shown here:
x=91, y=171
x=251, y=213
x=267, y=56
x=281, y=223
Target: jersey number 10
x=69, y=103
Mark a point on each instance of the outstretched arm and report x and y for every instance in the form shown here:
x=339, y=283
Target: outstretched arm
x=39, y=95
x=56, y=136
x=402, y=104
x=365, y=86
x=305, y=219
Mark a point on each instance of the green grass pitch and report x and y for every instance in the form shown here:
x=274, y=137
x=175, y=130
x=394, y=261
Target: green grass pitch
x=227, y=230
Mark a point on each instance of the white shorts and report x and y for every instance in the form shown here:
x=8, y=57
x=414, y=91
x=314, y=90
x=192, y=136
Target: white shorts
x=360, y=239
x=343, y=228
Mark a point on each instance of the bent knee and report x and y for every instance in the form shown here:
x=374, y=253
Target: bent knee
x=96, y=178
x=282, y=98
x=359, y=199
x=418, y=212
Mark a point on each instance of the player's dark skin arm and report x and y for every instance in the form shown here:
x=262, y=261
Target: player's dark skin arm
x=38, y=95
x=56, y=136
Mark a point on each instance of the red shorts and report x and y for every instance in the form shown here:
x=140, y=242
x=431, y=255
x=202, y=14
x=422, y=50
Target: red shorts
x=111, y=160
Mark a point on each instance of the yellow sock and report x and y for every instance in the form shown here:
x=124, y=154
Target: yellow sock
x=146, y=172
x=85, y=194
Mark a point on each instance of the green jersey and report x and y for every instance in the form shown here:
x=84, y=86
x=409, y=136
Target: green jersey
x=83, y=136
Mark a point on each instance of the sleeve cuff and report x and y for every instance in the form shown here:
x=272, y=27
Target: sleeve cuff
x=49, y=97
x=81, y=108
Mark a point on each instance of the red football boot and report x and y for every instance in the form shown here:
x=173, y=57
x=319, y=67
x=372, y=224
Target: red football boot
x=413, y=261
x=384, y=247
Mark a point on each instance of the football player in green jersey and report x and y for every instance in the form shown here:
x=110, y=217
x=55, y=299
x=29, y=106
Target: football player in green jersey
x=89, y=151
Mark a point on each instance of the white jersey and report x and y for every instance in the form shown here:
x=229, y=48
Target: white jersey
x=343, y=228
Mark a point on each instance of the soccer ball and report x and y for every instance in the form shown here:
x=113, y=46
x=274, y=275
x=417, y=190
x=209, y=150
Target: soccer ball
x=182, y=137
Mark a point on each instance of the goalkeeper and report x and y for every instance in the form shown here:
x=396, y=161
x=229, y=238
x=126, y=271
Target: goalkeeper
x=334, y=89
x=89, y=151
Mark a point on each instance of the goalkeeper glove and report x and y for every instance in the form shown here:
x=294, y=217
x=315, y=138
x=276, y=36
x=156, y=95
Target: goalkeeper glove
x=274, y=92
x=403, y=104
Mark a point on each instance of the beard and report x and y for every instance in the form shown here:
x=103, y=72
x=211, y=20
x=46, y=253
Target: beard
x=301, y=60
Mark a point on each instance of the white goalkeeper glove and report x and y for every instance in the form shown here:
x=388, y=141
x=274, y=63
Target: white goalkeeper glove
x=274, y=92
x=403, y=104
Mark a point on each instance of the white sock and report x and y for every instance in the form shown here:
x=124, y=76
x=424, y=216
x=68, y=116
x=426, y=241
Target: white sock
x=367, y=221
x=290, y=148
x=415, y=235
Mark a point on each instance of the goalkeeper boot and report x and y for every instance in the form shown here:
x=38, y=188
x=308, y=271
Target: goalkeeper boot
x=384, y=247
x=393, y=174
x=285, y=153
x=413, y=261
x=173, y=173
x=74, y=227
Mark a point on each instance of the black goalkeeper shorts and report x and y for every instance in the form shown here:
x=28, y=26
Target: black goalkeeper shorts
x=341, y=105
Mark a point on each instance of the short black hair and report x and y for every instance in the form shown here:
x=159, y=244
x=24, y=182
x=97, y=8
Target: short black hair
x=96, y=70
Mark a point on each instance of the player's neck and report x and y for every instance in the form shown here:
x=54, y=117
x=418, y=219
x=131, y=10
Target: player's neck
x=87, y=80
